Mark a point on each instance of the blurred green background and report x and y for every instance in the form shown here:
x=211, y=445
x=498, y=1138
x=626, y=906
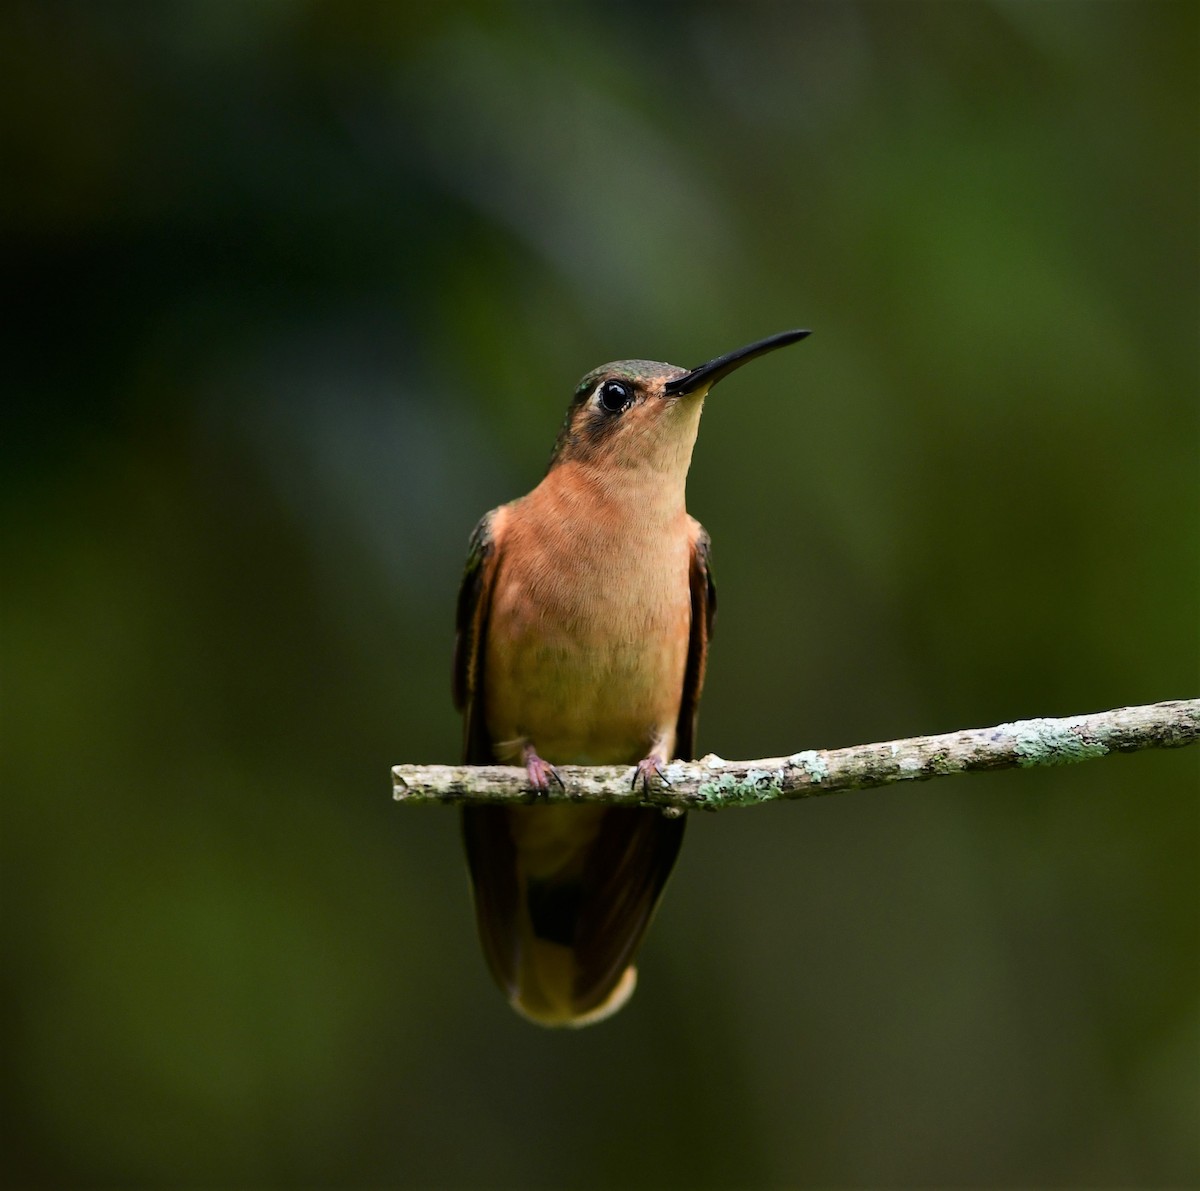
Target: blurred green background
x=298, y=290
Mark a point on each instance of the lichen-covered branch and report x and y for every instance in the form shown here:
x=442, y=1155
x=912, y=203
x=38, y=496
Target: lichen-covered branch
x=711, y=783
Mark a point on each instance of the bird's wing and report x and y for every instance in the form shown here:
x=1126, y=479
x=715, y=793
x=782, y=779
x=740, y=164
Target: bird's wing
x=704, y=611
x=491, y=854
x=624, y=874
x=474, y=601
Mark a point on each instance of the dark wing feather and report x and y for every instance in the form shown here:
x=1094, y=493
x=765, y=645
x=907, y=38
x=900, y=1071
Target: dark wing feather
x=627, y=866
x=491, y=854
x=492, y=862
x=474, y=601
x=704, y=612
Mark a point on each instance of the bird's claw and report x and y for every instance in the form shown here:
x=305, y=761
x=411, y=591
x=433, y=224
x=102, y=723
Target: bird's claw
x=541, y=774
x=647, y=768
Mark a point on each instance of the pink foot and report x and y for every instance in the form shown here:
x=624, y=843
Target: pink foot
x=541, y=773
x=647, y=768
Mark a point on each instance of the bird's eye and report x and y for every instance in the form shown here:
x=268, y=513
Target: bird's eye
x=615, y=396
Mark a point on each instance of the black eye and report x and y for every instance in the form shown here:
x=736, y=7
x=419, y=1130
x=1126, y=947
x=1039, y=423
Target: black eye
x=615, y=396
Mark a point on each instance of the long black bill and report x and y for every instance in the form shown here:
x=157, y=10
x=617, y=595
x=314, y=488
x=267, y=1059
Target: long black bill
x=708, y=374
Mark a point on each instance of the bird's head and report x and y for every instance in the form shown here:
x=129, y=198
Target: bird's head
x=644, y=415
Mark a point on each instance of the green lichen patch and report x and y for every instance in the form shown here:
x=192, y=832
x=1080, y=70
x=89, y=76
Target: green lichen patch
x=759, y=785
x=1050, y=742
x=812, y=763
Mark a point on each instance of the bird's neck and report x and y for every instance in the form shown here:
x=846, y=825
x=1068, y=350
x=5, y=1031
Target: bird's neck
x=586, y=499
x=634, y=487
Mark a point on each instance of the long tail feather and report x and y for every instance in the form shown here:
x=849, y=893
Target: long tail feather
x=563, y=898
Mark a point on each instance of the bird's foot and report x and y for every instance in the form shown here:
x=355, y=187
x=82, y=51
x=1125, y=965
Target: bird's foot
x=541, y=773
x=646, y=769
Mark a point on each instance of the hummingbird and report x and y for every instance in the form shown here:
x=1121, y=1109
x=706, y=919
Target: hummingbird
x=583, y=625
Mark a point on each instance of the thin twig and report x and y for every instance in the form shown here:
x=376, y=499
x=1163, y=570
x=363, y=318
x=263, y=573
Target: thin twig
x=712, y=784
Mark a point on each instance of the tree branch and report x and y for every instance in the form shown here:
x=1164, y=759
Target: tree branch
x=711, y=783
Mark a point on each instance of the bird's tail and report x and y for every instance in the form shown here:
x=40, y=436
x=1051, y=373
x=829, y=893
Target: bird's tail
x=563, y=897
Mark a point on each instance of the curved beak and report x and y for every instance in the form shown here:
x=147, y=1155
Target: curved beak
x=708, y=374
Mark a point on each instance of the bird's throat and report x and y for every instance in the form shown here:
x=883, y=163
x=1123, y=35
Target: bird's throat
x=640, y=480
x=627, y=507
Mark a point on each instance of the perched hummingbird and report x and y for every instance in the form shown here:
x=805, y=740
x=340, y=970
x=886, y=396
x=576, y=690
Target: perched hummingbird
x=583, y=625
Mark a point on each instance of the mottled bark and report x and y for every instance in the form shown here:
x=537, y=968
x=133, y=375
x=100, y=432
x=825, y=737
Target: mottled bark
x=712, y=783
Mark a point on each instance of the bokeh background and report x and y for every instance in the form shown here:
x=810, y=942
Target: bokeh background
x=298, y=290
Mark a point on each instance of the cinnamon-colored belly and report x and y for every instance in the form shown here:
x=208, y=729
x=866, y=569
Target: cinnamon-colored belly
x=588, y=672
